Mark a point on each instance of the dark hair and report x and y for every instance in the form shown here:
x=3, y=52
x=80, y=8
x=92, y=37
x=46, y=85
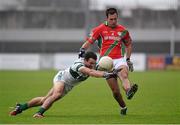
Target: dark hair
x=111, y=11
x=90, y=54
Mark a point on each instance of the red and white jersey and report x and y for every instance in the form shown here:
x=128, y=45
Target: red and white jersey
x=111, y=41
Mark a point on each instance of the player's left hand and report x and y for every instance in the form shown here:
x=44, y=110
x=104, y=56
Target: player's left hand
x=130, y=65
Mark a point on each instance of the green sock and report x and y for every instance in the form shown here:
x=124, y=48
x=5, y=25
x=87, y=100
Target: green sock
x=24, y=106
x=41, y=110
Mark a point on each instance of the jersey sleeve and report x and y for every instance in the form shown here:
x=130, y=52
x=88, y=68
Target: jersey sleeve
x=126, y=38
x=79, y=66
x=94, y=35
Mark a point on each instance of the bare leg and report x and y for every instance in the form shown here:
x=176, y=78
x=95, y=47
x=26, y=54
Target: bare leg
x=113, y=84
x=123, y=75
x=33, y=102
x=37, y=101
x=56, y=94
x=130, y=89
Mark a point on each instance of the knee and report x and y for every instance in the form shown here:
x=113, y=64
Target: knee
x=42, y=100
x=124, y=75
x=56, y=96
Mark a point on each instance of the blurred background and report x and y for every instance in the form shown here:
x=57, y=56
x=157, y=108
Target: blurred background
x=47, y=34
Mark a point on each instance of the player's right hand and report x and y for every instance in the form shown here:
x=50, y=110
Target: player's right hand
x=108, y=74
x=81, y=53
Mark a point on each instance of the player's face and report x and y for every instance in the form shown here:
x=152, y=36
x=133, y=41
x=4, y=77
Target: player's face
x=90, y=63
x=112, y=20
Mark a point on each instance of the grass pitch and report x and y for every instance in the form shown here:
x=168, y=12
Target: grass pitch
x=156, y=102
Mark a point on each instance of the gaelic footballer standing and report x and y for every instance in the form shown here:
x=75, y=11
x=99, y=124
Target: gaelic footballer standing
x=111, y=37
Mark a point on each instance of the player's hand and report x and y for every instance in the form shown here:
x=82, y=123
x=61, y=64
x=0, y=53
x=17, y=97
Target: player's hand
x=130, y=65
x=108, y=74
x=81, y=53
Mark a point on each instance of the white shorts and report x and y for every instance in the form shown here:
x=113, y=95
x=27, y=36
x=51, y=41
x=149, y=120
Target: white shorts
x=119, y=62
x=61, y=77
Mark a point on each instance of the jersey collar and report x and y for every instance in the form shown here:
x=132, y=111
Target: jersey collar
x=105, y=23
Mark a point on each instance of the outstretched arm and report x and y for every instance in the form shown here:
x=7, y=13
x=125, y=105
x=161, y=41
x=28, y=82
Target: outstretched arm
x=94, y=73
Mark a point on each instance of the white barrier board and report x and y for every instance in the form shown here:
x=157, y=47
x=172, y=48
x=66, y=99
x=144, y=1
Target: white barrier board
x=19, y=61
x=139, y=61
x=62, y=61
x=57, y=61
